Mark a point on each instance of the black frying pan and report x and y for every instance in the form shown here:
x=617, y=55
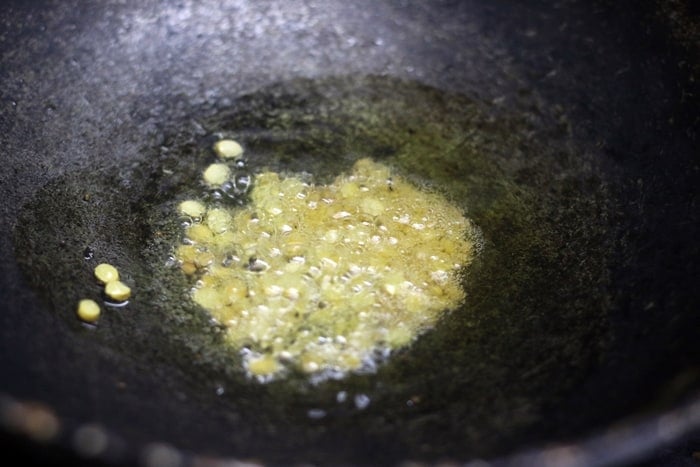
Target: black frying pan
x=567, y=131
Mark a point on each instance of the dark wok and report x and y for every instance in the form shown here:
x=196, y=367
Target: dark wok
x=567, y=129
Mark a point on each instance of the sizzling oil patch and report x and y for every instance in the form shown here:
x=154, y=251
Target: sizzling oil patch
x=326, y=278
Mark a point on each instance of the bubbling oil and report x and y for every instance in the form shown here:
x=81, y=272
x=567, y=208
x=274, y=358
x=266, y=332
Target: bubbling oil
x=323, y=278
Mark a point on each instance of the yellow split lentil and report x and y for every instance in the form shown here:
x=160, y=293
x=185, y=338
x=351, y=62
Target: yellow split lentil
x=117, y=290
x=217, y=174
x=106, y=273
x=88, y=310
x=228, y=149
x=192, y=208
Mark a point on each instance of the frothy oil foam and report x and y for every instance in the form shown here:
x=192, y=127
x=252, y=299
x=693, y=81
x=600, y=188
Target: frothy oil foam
x=326, y=279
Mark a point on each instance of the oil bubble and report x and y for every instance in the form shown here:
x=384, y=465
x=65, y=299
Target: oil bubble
x=362, y=401
x=88, y=253
x=227, y=187
x=316, y=414
x=242, y=183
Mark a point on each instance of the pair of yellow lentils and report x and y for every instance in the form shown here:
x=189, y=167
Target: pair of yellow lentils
x=88, y=309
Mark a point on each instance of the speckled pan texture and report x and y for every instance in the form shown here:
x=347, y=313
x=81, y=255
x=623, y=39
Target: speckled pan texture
x=567, y=132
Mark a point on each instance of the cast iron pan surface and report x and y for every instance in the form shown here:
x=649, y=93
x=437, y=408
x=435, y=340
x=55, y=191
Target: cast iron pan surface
x=566, y=130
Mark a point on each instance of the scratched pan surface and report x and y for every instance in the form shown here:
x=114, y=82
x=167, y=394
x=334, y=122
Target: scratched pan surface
x=567, y=132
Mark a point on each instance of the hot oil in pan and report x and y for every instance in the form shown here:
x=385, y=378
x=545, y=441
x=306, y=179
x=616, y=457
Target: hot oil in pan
x=534, y=306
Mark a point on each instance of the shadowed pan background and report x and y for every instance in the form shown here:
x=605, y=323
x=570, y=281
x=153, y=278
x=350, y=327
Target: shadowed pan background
x=567, y=131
